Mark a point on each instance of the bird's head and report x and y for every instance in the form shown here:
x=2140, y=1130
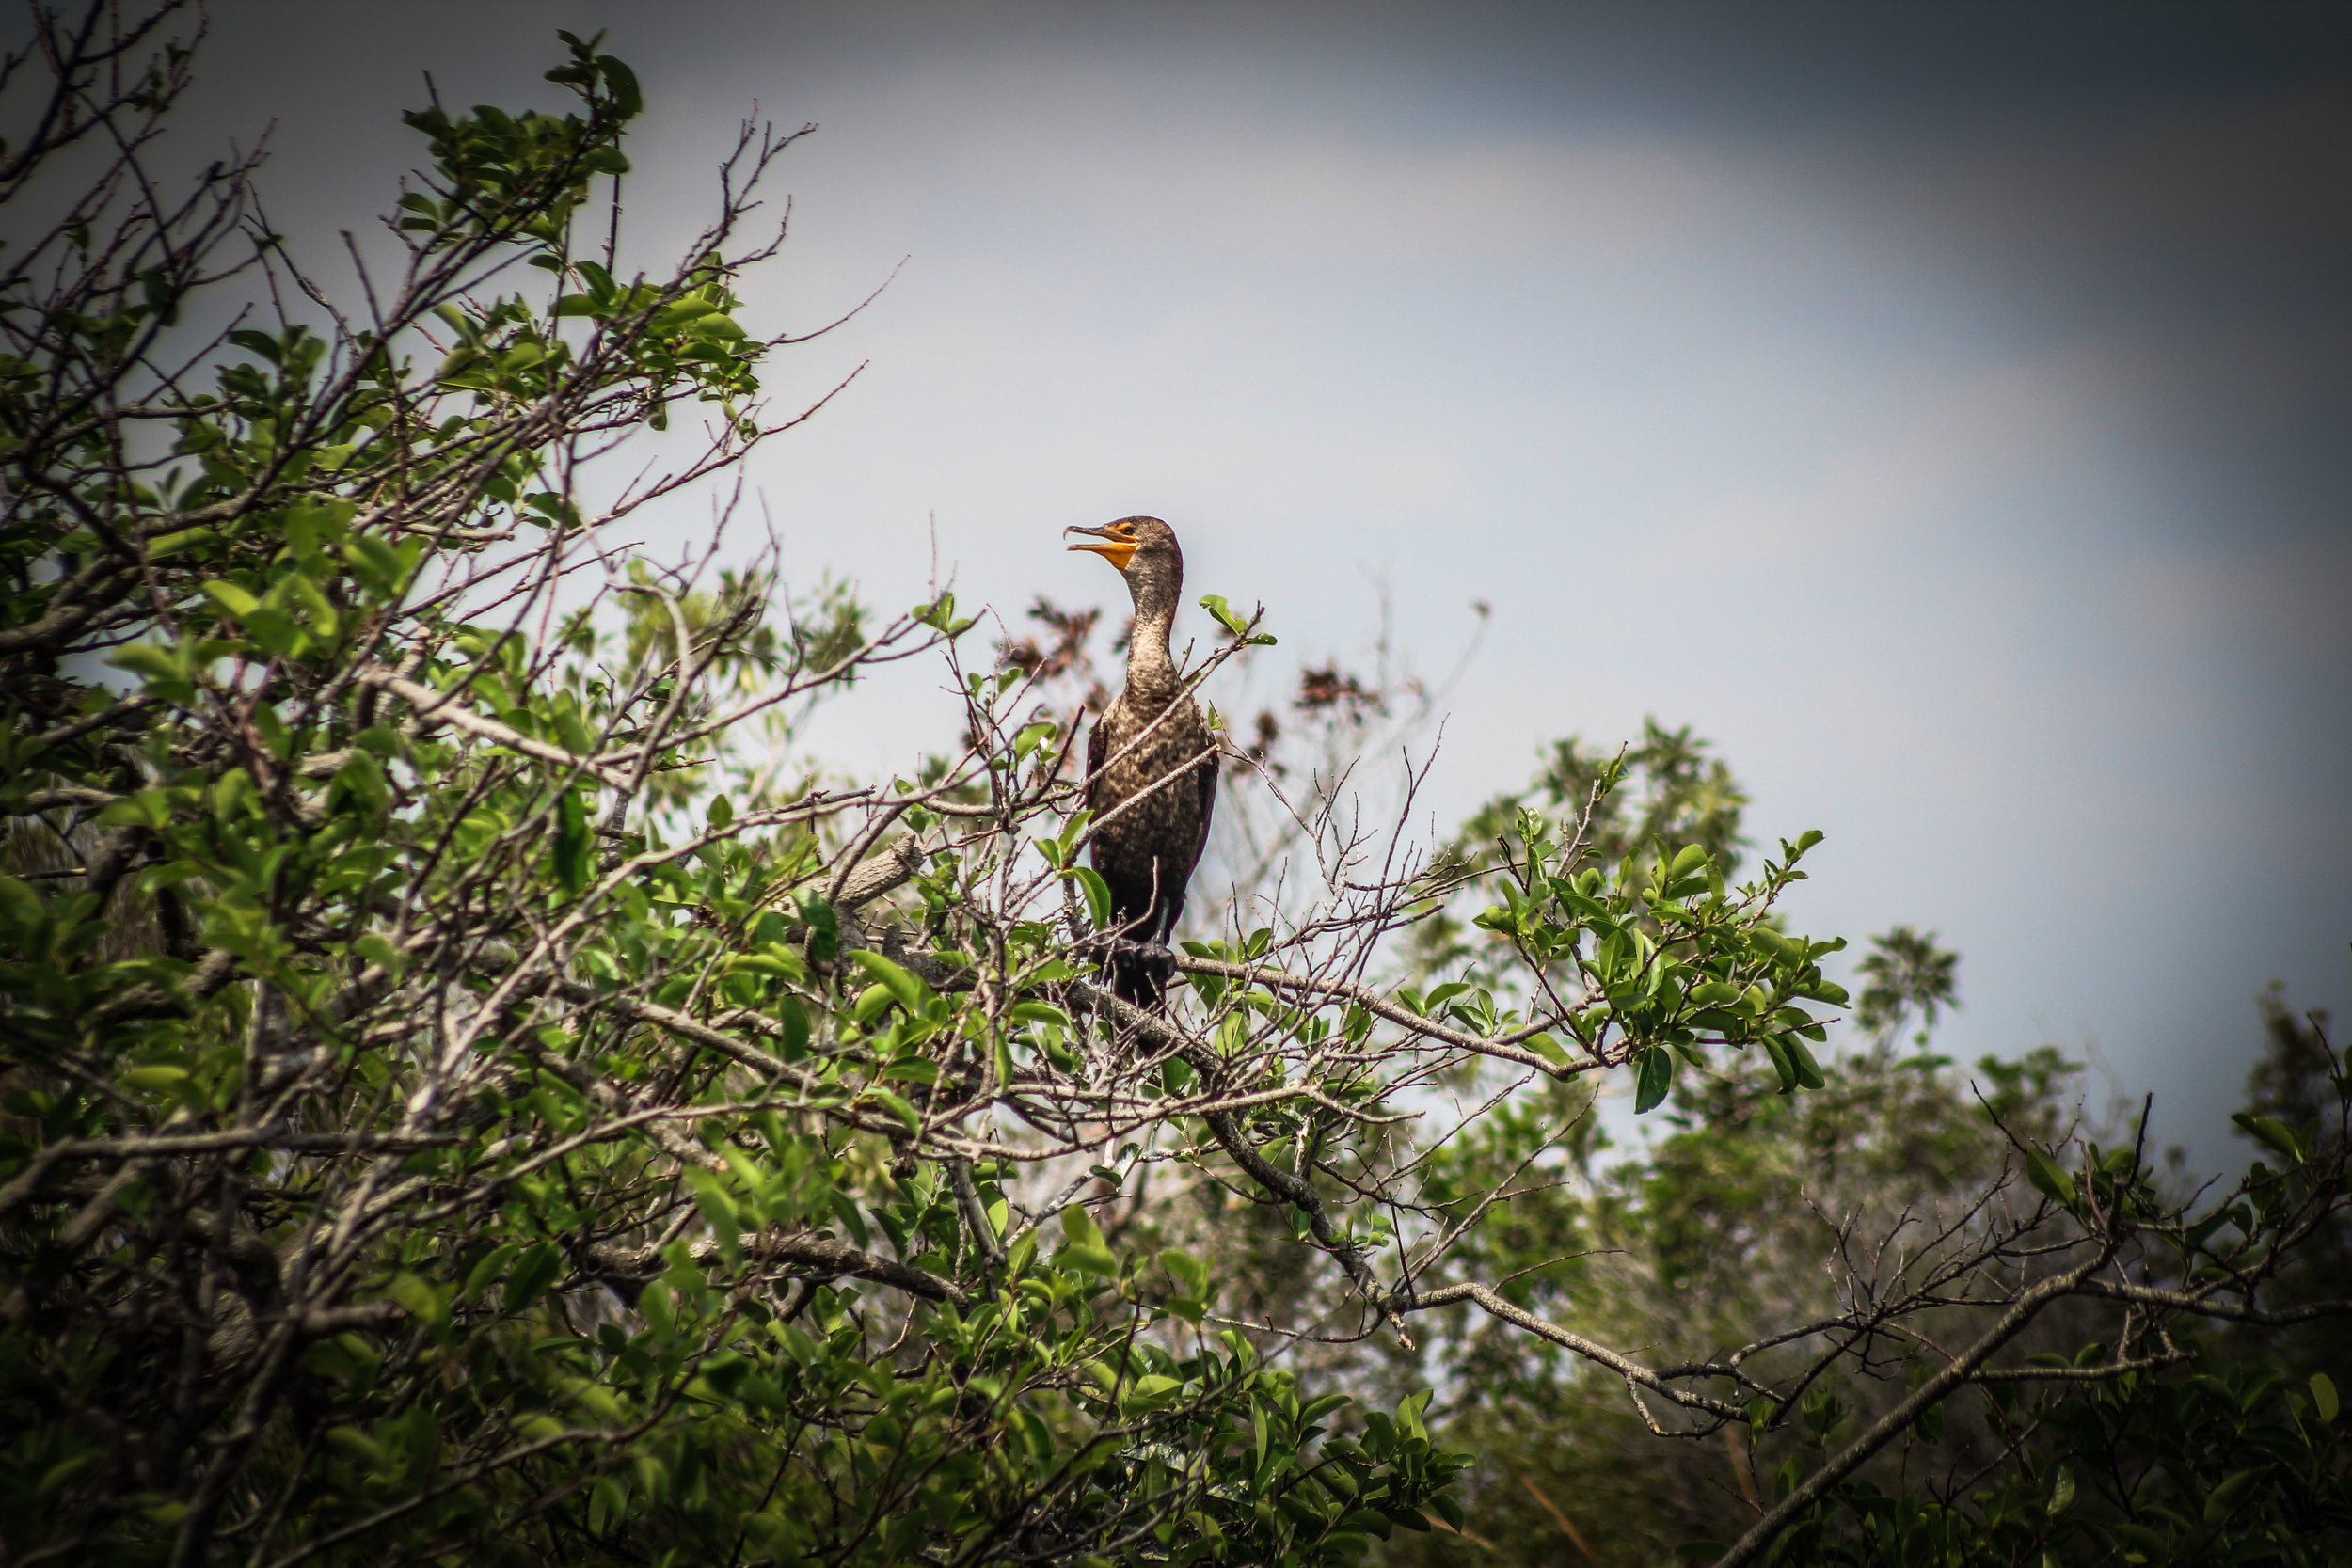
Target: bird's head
x=1143, y=549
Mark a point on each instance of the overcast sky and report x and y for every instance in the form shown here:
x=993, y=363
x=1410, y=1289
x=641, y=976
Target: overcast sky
x=1948, y=413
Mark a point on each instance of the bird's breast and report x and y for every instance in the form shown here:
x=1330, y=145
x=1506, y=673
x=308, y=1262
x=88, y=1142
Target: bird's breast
x=1139, y=752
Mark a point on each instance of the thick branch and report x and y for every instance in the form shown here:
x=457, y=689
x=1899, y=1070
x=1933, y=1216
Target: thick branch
x=2205, y=1307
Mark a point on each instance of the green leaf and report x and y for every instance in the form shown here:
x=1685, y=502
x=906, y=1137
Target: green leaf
x=571, y=842
x=903, y=1109
x=872, y=1004
x=824, y=927
x=1085, y=1248
x=1782, y=1063
x=2226, y=1497
x=905, y=990
x=1317, y=1408
x=794, y=1020
x=534, y=1272
x=357, y=1446
x=1190, y=1274
x=54, y=1479
x=2324, y=1397
x=493, y=1265
x=2272, y=1131
x=145, y=659
x=1097, y=893
x=1226, y=615
x=259, y=343
x=2049, y=1178
x=1653, y=1075
x=1442, y=995
x=1808, y=1070
x=1079, y=1226
x=939, y=614
x=19, y=904
x=233, y=599
x=423, y=1302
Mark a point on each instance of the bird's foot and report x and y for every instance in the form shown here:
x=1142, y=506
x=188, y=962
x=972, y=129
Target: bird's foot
x=1151, y=961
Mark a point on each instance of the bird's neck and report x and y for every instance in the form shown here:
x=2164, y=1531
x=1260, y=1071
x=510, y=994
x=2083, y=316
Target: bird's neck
x=1151, y=673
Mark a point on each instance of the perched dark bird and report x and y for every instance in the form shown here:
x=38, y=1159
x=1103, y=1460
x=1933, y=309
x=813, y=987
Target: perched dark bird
x=1151, y=766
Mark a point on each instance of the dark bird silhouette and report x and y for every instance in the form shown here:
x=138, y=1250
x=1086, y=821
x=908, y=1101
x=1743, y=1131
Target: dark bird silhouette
x=1151, y=766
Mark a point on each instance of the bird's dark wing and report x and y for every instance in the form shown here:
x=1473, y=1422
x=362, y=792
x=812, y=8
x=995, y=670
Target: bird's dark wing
x=1098, y=745
x=1204, y=780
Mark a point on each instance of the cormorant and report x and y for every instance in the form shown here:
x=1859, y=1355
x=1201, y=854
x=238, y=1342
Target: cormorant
x=1151, y=766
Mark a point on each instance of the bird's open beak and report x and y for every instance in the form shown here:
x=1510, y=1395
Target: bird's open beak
x=1118, y=545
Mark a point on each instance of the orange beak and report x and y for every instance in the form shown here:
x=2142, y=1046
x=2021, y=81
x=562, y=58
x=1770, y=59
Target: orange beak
x=1118, y=545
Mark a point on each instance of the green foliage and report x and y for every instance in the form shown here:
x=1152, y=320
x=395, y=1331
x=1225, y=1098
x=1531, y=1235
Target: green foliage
x=2206, y=1441
x=1665, y=957
x=1661, y=790
x=2213, y=1461
x=1905, y=972
x=1239, y=626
